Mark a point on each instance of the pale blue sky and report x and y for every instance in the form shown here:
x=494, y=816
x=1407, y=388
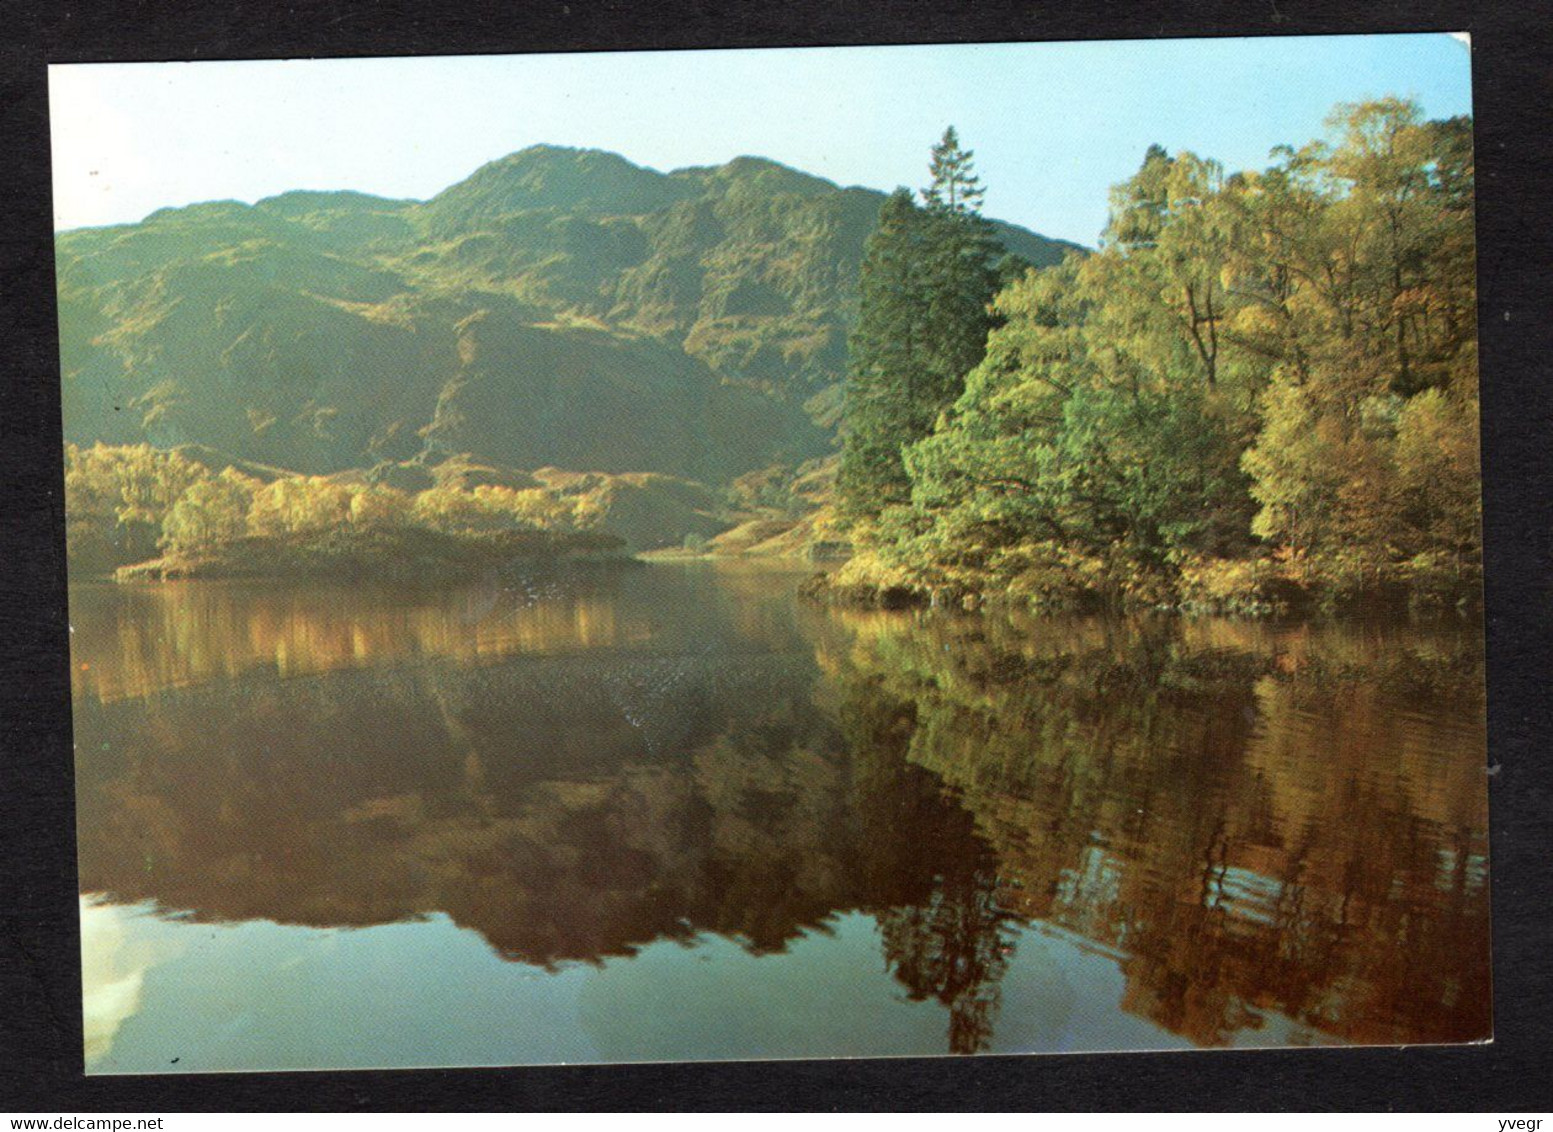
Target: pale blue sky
x=1053, y=125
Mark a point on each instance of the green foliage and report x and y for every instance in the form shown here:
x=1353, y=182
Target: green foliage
x=768, y=489
x=925, y=285
x=885, y=363
x=955, y=187
x=1261, y=381
x=493, y=507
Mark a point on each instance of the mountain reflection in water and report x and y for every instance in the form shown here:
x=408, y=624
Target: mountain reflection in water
x=1264, y=832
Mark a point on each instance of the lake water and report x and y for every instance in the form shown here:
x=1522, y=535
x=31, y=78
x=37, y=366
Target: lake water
x=673, y=812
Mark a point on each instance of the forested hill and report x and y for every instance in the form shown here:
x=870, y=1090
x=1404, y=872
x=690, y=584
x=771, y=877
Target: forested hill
x=558, y=307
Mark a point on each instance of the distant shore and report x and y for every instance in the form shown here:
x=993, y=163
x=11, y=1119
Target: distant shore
x=406, y=555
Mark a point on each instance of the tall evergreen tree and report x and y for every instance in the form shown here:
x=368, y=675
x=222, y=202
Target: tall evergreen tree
x=884, y=367
x=927, y=281
x=956, y=188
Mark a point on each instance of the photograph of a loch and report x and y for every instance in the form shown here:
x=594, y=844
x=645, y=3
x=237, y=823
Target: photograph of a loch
x=774, y=553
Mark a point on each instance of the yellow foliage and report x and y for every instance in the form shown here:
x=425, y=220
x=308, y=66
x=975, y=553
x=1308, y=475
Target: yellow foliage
x=379, y=507
x=209, y=512
x=126, y=484
x=298, y=505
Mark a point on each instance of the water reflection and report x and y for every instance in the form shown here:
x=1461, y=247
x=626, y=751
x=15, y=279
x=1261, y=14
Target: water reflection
x=111, y=979
x=141, y=640
x=1253, y=817
x=1249, y=821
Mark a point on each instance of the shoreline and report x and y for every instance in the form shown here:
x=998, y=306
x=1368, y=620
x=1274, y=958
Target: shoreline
x=409, y=555
x=818, y=589
x=1288, y=599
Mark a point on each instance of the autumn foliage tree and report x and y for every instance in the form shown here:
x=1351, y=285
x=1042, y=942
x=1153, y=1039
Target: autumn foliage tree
x=135, y=504
x=1366, y=464
x=211, y=511
x=1264, y=375
x=117, y=498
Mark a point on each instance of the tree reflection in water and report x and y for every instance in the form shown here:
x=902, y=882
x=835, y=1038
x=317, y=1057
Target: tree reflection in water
x=1254, y=817
x=1250, y=818
x=953, y=949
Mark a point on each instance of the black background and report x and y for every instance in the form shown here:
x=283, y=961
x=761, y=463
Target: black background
x=40, y=1065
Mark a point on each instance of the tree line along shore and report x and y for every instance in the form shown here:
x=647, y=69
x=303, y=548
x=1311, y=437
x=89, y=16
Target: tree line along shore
x=1261, y=389
x=138, y=513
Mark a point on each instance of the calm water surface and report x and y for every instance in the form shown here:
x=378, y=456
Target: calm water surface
x=673, y=813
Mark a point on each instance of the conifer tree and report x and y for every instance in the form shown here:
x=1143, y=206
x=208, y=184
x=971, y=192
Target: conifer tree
x=956, y=188
x=885, y=367
x=927, y=280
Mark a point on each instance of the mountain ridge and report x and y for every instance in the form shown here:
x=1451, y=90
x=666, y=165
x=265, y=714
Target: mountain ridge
x=559, y=307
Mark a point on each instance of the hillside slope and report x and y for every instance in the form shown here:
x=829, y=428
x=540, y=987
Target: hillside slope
x=558, y=307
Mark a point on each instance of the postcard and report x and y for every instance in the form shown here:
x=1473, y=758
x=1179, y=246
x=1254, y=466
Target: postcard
x=781, y=553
